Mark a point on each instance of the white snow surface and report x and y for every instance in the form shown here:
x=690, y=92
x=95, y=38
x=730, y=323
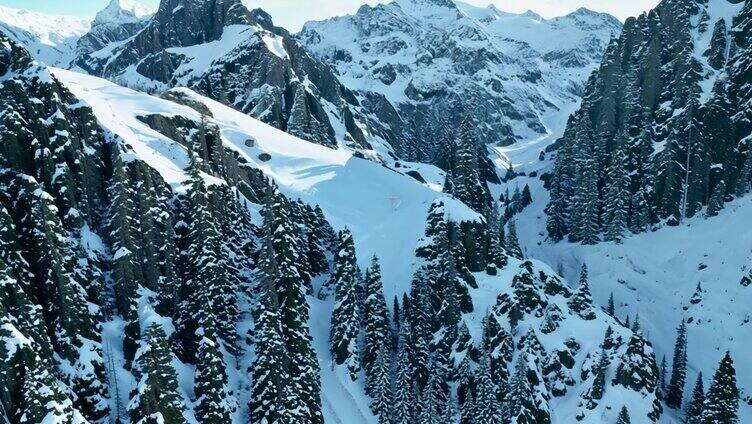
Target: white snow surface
x=384, y=209
x=49, y=38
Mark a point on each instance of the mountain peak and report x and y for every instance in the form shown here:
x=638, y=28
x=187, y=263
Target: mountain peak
x=422, y=3
x=121, y=12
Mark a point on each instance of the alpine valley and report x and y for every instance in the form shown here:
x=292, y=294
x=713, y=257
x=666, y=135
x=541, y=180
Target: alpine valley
x=426, y=212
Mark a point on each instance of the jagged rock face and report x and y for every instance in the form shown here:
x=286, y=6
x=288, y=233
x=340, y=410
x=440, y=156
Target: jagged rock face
x=120, y=20
x=437, y=61
x=672, y=93
x=237, y=56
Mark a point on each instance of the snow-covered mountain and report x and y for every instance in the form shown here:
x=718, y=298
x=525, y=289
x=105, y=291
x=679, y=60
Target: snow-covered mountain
x=658, y=165
x=50, y=38
x=169, y=253
x=519, y=75
x=121, y=19
x=238, y=56
x=127, y=165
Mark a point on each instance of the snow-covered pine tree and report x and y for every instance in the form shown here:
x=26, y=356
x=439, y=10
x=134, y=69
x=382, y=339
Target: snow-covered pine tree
x=611, y=308
x=156, y=399
x=214, y=404
x=662, y=371
x=520, y=407
x=125, y=272
x=616, y=200
x=638, y=371
x=497, y=257
x=345, y=326
x=623, y=417
x=721, y=405
x=213, y=287
x=526, y=198
x=402, y=401
x=599, y=381
x=380, y=388
x=434, y=398
x=718, y=199
x=270, y=369
x=582, y=301
x=72, y=325
x=499, y=346
x=693, y=409
x=468, y=184
x=419, y=328
x=675, y=392
x=319, y=236
x=147, y=213
x=487, y=408
x=557, y=212
x=169, y=283
x=43, y=399
x=586, y=227
x=743, y=184
x=445, y=331
x=512, y=243
x=293, y=306
x=377, y=333
x=444, y=260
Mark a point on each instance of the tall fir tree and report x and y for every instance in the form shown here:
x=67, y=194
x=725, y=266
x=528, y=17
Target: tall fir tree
x=402, y=401
x=694, y=407
x=512, y=243
x=290, y=283
x=125, y=272
x=520, y=407
x=675, y=393
x=377, y=333
x=721, y=405
x=380, y=388
x=214, y=405
x=270, y=368
x=718, y=199
x=582, y=301
x=467, y=182
x=487, y=408
x=616, y=201
x=623, y=417
x=156, y=399
x=43, y=399
x=345, y=326
x=213, y=288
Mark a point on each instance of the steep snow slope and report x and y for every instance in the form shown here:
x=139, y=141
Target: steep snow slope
x=386, y=212
x=384, y=209
x=49, y=38
x=655, y=275
x=518, y=74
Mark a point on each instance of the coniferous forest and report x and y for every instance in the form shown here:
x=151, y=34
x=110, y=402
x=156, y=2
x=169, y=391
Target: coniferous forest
x=201, y=222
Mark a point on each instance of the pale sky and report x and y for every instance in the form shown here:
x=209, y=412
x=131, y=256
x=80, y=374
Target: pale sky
x=291, y=14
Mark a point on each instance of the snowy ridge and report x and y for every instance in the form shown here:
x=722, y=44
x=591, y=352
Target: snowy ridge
x=49, y=38
x=377, y=204
x=122, y=12
x=523, y=72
